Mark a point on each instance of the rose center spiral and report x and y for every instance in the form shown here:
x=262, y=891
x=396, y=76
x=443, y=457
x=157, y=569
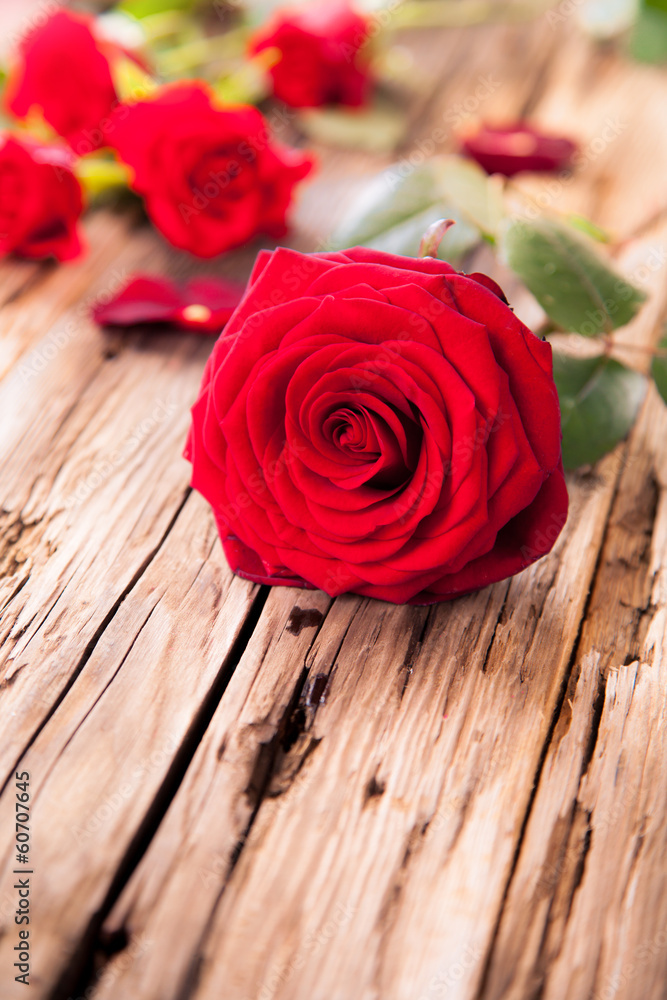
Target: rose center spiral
x=387, y=445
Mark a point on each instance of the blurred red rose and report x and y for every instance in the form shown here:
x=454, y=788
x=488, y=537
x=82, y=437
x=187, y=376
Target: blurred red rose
x=61, y=69
x=211, y=179
x=381, y=425
x=518, y=147
x=320, y=61
x=40, y=201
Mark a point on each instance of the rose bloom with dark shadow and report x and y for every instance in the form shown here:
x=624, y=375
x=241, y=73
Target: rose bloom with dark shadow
x=212, y=177
x=319, y=54
x=40, y=200
x=381, y=425
x=62, y=69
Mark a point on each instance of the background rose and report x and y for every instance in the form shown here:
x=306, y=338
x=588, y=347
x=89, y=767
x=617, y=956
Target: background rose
x=381, y=425
x=211, y=179
x=319, y=55
x=40, y=201
x=61, y=69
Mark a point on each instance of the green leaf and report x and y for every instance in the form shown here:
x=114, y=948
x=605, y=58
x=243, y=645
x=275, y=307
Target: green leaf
x=387, y=200
x=99, y=174
x=575, y=286
x=130, y=81
x=463, y=183
x=585, y=225
x=377, y=129
x=599, y=402
x=648, y=42
x=659, y=369
x=146, y=8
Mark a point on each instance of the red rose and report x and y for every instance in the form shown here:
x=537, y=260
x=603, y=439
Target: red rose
x=62, y=70
x=381, y=425
x=319, y=55
x=40, y=201
x=518, y=147
x=211, y=179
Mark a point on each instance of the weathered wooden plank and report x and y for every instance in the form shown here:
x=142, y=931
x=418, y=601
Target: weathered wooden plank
x=585, y=915
x=109, y=752
x=406, y=784
x=349, y=825
x=426, y=916
x=39, y=299
x=256, y=733
x=92, y=479
x=602, y=768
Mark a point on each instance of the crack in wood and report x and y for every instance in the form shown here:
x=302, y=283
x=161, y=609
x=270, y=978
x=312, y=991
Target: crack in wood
x=417, y=638
x=560, y=700
x=277, y=764
x=375, y=788
x=12, y=555
x=596, y=719
x=285, y=745
x=8, y=681
x=78, y=977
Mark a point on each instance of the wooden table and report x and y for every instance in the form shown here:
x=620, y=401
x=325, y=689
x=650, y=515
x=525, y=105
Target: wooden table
x=243, y=793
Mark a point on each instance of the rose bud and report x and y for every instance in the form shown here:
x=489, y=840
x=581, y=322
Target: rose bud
x=381, y=425
x=319, y=55
x=40, y=201
x=211, y=178
x=62, y=70
x=518, y=147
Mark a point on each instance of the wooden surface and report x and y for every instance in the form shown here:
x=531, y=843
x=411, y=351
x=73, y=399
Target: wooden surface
x=254, y=794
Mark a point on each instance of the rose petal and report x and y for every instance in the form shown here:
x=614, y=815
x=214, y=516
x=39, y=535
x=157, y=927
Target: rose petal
x=514, y=148
x=202, y=305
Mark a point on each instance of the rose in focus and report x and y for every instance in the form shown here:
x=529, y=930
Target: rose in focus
x=319, y=55
x=211, y=178
x=62, y=70
x=380, y=425
x=40, y=201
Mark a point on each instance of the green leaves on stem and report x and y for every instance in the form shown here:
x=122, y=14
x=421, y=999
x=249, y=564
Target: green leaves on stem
x=599, y=401
x=659, y=368
x=574, y=284
x=99, y=174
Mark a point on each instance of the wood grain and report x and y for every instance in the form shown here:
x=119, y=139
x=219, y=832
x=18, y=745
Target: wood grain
x=261, y=795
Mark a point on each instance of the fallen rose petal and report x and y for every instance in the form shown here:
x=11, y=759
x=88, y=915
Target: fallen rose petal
x=202, y=305
x=518, y=147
